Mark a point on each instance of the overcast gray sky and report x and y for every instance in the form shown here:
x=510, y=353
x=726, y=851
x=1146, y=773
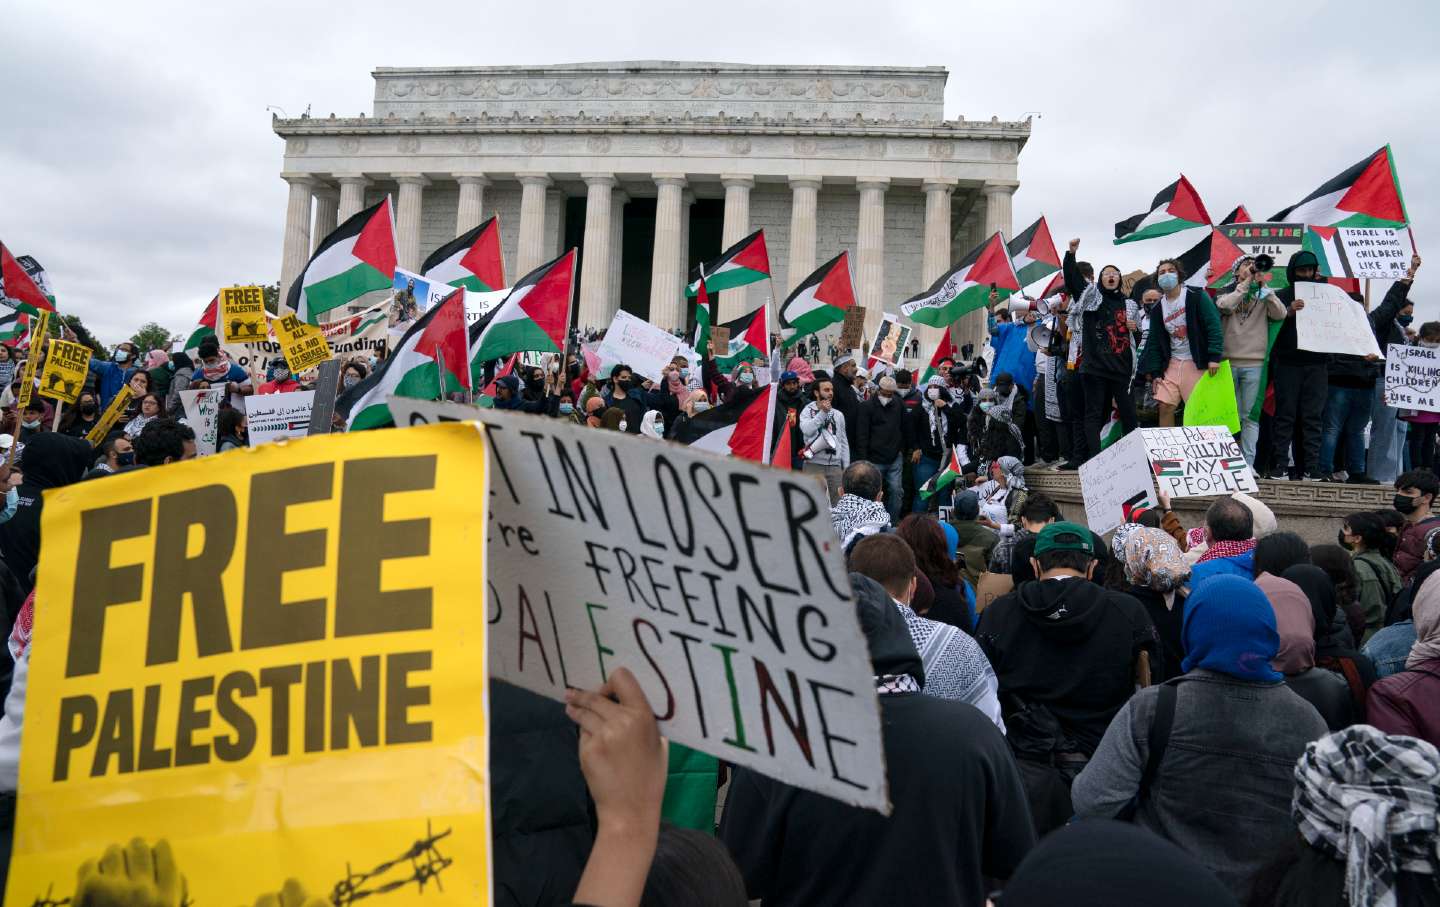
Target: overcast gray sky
x=137, y=162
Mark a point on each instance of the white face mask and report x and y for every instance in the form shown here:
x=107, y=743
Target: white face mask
x=933, y=393
x=623, y=426
x=701, y=405
x=884, y=400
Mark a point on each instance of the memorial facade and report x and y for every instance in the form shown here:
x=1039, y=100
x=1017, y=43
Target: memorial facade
x=653, y=167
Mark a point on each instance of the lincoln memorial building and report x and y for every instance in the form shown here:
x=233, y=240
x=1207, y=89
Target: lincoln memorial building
x=650, y=168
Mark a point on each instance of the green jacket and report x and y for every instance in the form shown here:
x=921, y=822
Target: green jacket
x=1202, y=327
x=1379, y=582
x=976, y=543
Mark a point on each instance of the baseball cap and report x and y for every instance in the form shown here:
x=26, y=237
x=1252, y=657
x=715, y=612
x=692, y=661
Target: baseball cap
x=788, y=376
x=1065, y=537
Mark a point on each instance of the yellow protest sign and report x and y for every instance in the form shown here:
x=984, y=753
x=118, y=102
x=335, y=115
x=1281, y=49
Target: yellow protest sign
x=304, y=344
x=66, y=368
x=242, y=314
x=269, y=666
x=39, y=325
x=112, y=414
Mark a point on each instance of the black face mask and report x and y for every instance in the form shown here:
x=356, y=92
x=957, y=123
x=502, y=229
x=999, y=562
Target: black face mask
x=1406, y=505
x=88, y=409
x=1340, y=538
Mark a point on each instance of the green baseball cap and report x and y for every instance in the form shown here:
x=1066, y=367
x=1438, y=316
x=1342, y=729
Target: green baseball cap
x=1065, y=537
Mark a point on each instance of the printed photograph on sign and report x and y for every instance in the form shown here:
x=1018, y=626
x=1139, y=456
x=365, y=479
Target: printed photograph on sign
x=262, y=672
x=1195, y=461
x=891, y=338
x=718, y=582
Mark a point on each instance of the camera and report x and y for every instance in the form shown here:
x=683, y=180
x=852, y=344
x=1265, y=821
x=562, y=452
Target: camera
x=1263, y=262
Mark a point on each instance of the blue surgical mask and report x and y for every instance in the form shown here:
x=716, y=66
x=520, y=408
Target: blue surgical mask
x=122, y=355
x=700, y=406
x=567, y=408
x=1168, y=281
x=1405, y=320
x=684, y=374
x=747, y=378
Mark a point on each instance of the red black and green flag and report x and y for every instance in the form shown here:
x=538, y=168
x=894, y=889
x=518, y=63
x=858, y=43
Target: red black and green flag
x=428, y=362
x=20, y=288
x=356, y=258
x=744, y=263
x=749, y=340
x=822, y=299
x=966, y=287
x=472, y=260
x=1176, y=207
x=14, y=325
x=1033, y=253
x=1364, y=195
x=206, y=327
x=743, y=427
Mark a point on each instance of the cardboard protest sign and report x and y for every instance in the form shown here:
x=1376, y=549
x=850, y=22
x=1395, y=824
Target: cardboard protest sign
x=270, y=668
x=1114, y=481
x=1412, y=377
x=1197, y=460
x=202, y=414
x=242, y=315
x=717, y=581
x=66, y=368
x=1375, y=252
x=304, y=344
x=275, y=417
x=365, y=332
x=852, y=328
x=112, y=414
x=891, y=337
x=1212, y=402
x=647, y=349
x=39, y=325
x=1332, y=322
x=415, y=294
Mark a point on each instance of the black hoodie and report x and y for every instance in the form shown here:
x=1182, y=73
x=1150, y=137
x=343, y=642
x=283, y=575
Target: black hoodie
x=1285, y=350
x=959, y=810
x=50, y=460
x=1106, y=347
x=1070, y=646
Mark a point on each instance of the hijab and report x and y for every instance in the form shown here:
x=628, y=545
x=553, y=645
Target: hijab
x=1153, y=561
x=1014, y=472
x=1102, y=862
x=1229, y=627
x=1426, y=610
x=937, y=415
x=1319, y=588
x=1294, y=621
x=652, y=425
x=1121, y=536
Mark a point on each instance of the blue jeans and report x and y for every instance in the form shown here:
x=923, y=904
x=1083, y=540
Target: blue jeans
x=1384, y=439
x=890, y=474
x=1347, y=409
x=1247, y=387
x=924, y=470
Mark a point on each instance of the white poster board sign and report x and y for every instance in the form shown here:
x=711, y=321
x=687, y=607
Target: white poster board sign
x=274, y=417
x=1115, y=480
x=1332, y=322
x=478, y=305
x=1376, y=252
x=1412, y=377
x=647, y=349
x=202, y=414
x=717, y=581
x=1197, y=460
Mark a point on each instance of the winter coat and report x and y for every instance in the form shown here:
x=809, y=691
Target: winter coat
x=882, y=434
x=50, y=460
x=1202, y=331
x=1408, y=703
x=1246, y=325
x=1410, y=552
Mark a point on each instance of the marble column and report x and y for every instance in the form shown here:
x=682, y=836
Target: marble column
x=804, y=195
x=998, y=196
x=617, y=250
x=296, y=250
x=667, y=275
x=734, y=303
x=936, y=260
x=407, y=219
x=870, y=251
x=530, y=249
x=327, y=210
x=352, y=194
x=595, y=254
x=687, y=199
x=468, y=214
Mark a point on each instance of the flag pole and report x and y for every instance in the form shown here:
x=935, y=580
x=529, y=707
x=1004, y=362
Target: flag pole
x=55, y=422
x=1367, y=294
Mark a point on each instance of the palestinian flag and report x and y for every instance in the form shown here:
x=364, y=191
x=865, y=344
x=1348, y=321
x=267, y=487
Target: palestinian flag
x=533, y=318
x=700, y=342
x=1176, y=207
x=1325, y=243
x=19, y=287
x=357, y=258
x=740, y=428
x=749, y=341
x=780, y=457
x=206, y=327
x=945, y=350
x=966, y=287
x=820, y=301
x=1033, y=253
x=13, y=327
x=743, y=263
x=471, y=261
x=1196, y=259
x=38, y=274
x=1113, y=431
x=414, y=368
x=954, y=468
x=1365, y=195
x=1223, y=255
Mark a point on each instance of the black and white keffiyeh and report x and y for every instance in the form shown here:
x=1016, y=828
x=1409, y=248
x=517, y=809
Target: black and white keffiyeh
x=1370, y=799
x=886, y=684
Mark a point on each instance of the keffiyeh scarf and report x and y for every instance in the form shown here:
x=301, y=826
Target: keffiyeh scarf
x=886, y=684
x=852, y=515
x=1370, y=799
x=1226, y=549
x=1001, y=411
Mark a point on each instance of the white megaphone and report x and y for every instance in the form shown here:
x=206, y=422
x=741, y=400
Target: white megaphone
x=1039, y=337
x=1023, y=305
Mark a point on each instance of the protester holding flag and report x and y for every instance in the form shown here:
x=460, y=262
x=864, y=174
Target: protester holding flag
x=1246, y=314
x=1106, y=354
x=935, y=428
x=1184, y=340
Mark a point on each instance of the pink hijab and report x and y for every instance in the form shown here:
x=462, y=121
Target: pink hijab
x=802, y=369
x=1295, y=621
